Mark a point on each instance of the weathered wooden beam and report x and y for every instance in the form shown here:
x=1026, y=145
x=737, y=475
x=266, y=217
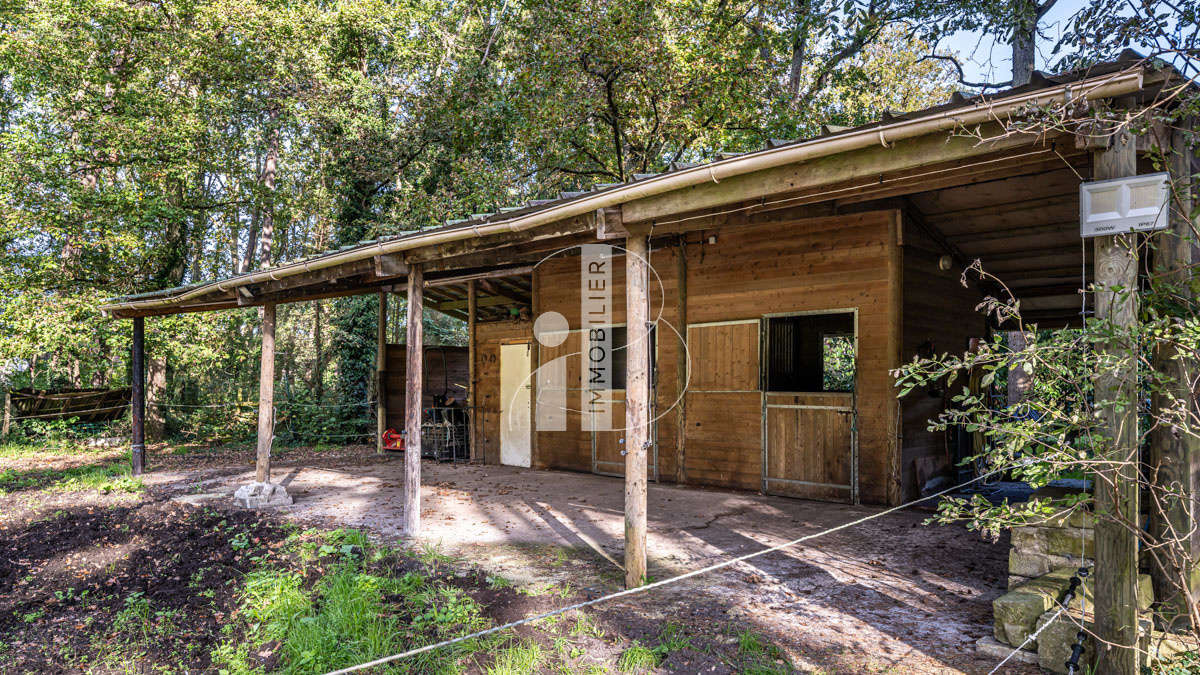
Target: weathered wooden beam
x=266, y=397
x=137, y=362
x=472, y=312
x=1116, y=491
x=610, y=224
x=463, y=247
x=1174, y=455
x=866, y=163
x=390, y=265
x=637, y=404
x=492, y=301
x=381, y=372
x=315, y=277
x=413, y=393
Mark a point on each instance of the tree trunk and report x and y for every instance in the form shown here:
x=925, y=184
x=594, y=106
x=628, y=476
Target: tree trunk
x=799, y=49
x=318, y=375
x=1024, y=44
x=267, y=235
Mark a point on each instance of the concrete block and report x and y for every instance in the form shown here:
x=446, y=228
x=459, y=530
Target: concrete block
x=1030, y=564
x=1015, y=580
x=1054, y=541
x=993, y=650
x=1160, y=646
x=1016, y=613
x=1057, y=637
x=261, y=495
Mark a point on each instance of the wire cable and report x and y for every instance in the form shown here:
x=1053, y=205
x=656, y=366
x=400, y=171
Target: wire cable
x=658, y=584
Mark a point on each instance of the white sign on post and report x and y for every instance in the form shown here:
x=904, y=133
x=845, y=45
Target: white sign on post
x=1119, y=205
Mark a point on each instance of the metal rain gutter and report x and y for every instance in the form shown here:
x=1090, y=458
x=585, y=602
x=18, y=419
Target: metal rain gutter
x=1106, y=86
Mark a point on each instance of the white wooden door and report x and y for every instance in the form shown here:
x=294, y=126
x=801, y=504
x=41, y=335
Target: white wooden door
x=514, y=405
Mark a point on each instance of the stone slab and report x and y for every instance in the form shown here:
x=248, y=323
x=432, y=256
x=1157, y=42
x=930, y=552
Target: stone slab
x=261, y=496
x=990, y=648
x=1057, y=638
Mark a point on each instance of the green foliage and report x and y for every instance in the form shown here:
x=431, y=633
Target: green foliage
x=106, y=478
x=134, y=141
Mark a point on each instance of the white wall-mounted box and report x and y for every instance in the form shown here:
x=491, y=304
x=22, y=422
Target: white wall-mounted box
x=1118, y=205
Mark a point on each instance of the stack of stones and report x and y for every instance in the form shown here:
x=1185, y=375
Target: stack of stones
x=1042, y=560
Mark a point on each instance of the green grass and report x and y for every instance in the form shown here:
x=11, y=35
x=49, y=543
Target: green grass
x=520, y=658
x=762, y=658
x=637, y=659
x=107, y=478
x=352, y=615
x=640, y=658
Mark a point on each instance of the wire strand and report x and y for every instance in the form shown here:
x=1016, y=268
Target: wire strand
x=658, y=584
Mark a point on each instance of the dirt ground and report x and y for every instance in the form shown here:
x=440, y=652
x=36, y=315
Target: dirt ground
x=889, y=595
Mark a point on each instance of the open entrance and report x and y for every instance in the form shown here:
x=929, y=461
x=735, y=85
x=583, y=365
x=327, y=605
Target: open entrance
x=515, y=411
x=809, y=412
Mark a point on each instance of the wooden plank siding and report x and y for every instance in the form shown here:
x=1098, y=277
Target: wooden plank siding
x=788, y=265
x=446, y=371
x=939, y=315
x=489, y=335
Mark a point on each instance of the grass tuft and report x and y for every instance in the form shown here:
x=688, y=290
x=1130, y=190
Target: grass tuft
x=520, y=658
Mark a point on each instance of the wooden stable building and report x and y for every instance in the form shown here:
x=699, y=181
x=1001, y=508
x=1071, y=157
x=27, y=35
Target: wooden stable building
x=760, y=300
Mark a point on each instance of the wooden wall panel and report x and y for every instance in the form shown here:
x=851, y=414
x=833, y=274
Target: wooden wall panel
x=724, y=357
x=723, y=440
x=809, y=445
x=939, y=311
x=752, y=270
x=846, y=262
x=446, y=370
x=488, y=338
x=558, y=289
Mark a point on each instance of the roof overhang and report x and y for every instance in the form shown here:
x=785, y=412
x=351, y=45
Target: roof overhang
x=390, y=256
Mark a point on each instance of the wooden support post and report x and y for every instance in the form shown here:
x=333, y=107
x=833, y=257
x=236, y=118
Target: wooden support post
x=1116, y=493
x=1174, y=455
x=637, y=405
x=266, y=397
x=381, y=372
x=7, y=425
x=138, y=402
x=682, y=368
x=413, y=383
x=471, y=370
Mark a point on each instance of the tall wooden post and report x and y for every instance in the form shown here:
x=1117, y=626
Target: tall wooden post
x=1174, y=452
x=1116, y=494
x=138, y=395
x=7, y=424
x=413, y=383
x=381, y=372
x=637, y=405
x=471, y=369
x=266, y=396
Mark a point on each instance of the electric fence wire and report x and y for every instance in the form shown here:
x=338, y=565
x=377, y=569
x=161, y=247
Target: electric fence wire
x=664, y=582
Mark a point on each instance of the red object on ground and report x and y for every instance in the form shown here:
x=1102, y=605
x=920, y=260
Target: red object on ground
x=393, y=440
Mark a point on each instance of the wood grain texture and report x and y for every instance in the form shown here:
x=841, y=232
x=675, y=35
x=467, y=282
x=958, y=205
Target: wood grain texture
x=413, y=396
x=1116, y=392
x=489, y=335
x=266, y=397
